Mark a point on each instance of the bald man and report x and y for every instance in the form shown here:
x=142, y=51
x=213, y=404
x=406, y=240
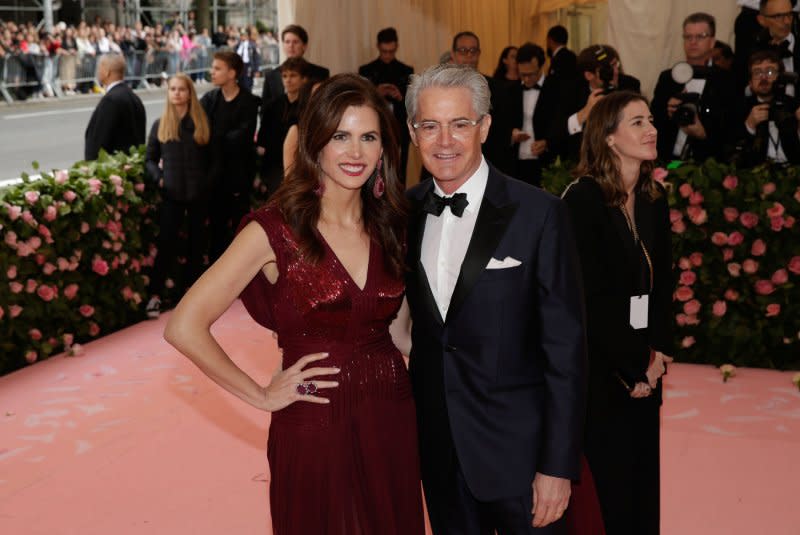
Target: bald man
x=118, y=122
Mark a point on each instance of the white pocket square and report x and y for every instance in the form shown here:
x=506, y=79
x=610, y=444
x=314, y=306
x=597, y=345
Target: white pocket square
x=505, y=263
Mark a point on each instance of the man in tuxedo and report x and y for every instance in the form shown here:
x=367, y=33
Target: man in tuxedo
x=777, y=18
x=118, y=121
x=706, y=134
x=563, y=61
x=498, y=347
x=390, y=76
x=294, y=39
x=769, y=123
x=532, y=107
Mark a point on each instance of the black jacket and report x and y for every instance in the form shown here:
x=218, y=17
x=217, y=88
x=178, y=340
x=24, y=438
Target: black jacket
x=564, y=64
x=185, y=163
x=396, y=73
x=118, y=123
x=544, y=115
x=273, y=85
x=753, y=148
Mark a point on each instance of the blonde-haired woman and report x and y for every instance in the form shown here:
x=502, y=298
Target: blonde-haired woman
x=177, y=161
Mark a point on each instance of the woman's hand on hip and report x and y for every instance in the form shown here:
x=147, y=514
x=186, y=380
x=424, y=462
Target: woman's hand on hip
x=297, y=384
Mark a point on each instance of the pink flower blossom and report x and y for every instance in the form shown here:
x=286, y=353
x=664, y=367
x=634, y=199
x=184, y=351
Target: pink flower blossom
x=758, y=248
x=14, y=212
x=31, y=196
x=68, y=339
x=50, y=213
x=727, y=254
x=35, y=334
x=764, y=287
x=731, y=294
x=773, y=309
x=12, y=272
x=119, y=190
x=45, y=232
x=680, y=319
x=780, y=277
x=31, y=356
x=137, y=299
x=14, y=311
x=683, y=293
x=684, y=263
x=70, y=195
x=788, y=221
x=95, y=186
x=697, y=215
x=769, y=188
x=34, y=242
x=94, y=329
x=691, y=307
x=61, y=177
x=797, y=194
x=687, y=342
x=84, y=227
x=127, y=293
x=688, y=278
x=776, y=210
x=659, y=174
x=71, y=291
x=15, y=287
x=685, y=190
x=30, y=286
x=720, y=308
x=46, y=292
x=48, y=268
x=675, y=215
x=86, y=311
x=100, y=266
x=696, y=198
x=735, y=238
x=679, y=227
x=139, y=187
x=28, y=218
x=730, y=214
x=23, y=249
x=750, y=266
x=63, y=263
x=776, y=223
x=115, y=179
x=730, y=182
x=11, y=238
x=719, y=238
x=734, y=268
x=794, y=265
x=748, y=219
x=2, y=313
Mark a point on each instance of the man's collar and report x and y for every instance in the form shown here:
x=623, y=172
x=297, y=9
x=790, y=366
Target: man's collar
x=474, y=187
x=113, y=84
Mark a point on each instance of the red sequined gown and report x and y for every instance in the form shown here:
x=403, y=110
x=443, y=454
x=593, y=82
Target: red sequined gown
x=349, y=467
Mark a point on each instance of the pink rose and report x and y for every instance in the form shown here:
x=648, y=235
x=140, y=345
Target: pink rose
x=730, y=214
x=31, y=196
x=115, y=179
x=659, y=174
x=70, y=195
x=34, y=242
x=84, y=227
x=45, y=232
x=794, y=265
x=697, y=215
x=750, y=266
x=71, y=291
x=719, y=238
x=50, y=213
x=139, y=187
x=31, y=356
x=61, y=177
x=780, y=277
x=68, y=339
x=119, y=191
x=769, y=188
x=735, y=238
x=127, y=293
x=748, y=219
x=94, y=329
x=687, y=342
x=683, y=293
x=86, y=311
x=764, y=287
x=48, y=269
x=688, y=278
x=35, y=334
x=680, y=319
x=730, y=182
x=679, y=227
x=727, y=254
x=23, y=250
x=734, y=268
x=11, y=238
x=14, y=212
x=776, y=223
x=691, y=307
x=684, y=263
x=46, y=292
x=27, y=217
x=15, y=287
x=685, y=190
x=773, y=309
x=696, y=198
x=731, y=295
x=31, y=285
x=776, y=210
x=758, y=248
x=14, y=311
x=100, y=266
x=63, y=263
x=720, y=308
x=675, y=215
x=12, y=272
x=95, y=186
x=788, y=221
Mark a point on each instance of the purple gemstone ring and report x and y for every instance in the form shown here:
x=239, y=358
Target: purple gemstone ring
x=306, y=389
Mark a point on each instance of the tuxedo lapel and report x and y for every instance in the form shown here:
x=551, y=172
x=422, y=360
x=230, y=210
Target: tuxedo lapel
x=415, y=233
x=494, y=216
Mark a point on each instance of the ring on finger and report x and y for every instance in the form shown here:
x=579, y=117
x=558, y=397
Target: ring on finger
x=307, y=389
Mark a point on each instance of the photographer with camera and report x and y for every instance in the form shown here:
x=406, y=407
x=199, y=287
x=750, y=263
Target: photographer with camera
x=692, y=99
x=769, y=127
x=599, y=73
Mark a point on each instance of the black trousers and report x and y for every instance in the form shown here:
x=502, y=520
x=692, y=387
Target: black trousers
x=529, y=171
x=172, y=215
x=454, y=510
x=226, y=209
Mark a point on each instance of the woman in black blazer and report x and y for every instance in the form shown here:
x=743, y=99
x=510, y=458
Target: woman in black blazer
x=621, y=220
x=177, y=160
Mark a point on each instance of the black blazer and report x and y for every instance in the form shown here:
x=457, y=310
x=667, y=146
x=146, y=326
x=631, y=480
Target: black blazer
x=396, y=73
x=499, y=383
x=564, y=64
x=544, y=115
x=118, y=123
x=753, y=148
x=185, y=163
x=273, y=85
x=609, y=263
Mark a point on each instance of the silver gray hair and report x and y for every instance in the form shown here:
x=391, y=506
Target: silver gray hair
x=449, y=75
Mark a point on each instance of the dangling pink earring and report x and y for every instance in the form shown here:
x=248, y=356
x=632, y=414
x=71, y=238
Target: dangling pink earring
x=379, y=187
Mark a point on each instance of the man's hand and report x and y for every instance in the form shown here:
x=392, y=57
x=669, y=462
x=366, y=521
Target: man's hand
x=538, y=147
x=518, y=136
x=657, y=367
x=641, y=390
x=390, y=91
x=672, y=106
x=550, y=498
x=696, y=129
x=758, y=114
x=594, y=98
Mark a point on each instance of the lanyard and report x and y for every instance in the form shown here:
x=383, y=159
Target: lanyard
x=638, y=241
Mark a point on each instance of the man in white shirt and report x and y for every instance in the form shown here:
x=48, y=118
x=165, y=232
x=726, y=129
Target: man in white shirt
x=498, y=353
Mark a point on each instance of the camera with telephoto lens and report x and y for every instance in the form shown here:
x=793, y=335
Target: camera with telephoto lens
x=780, y=108
x=605, y=70
x=692, y=104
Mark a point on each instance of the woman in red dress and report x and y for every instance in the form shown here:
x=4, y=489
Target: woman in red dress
x=322, y=266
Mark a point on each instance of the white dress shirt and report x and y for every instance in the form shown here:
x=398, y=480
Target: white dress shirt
x=774, y=149
x=694, y=85
x=446, y=238
x=529, y=99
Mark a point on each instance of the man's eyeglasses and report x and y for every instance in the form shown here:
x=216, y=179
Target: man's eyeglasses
x=765, y=73
x=696, y=37
x=777, y=16
x=468, y=51
x=459, y=128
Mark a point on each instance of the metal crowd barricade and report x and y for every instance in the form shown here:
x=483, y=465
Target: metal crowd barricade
x=24, y=75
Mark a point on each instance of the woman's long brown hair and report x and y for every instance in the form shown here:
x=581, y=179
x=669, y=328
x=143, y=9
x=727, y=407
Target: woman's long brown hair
x=384, y=218
x=600, y=162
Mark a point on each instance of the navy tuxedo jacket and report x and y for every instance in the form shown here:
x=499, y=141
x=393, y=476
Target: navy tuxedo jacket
x=500, y=382
x=117, y=123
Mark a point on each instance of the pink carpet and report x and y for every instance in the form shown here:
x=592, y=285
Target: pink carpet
x=131, y=438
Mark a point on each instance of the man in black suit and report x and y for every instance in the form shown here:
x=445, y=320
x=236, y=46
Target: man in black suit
x=706, y=134
x=294, y=39
x=769, y=126
x=391, y=78
x=599, y=72
x=563, y=61
x=498, y=359
x=532, y=107
x=118, y=121
x=777, y=18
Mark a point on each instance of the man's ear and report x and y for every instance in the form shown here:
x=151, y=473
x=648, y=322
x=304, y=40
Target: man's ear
x=486, y=123
x=413, y=134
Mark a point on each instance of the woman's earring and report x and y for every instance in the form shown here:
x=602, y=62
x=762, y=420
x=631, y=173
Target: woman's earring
x=379, y=187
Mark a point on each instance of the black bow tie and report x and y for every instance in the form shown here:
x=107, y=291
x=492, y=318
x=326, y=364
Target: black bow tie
x=434, y=204
x=534, y=86
x=783, y=49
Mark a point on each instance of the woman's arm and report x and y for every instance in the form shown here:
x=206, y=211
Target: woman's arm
x=400, y=329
